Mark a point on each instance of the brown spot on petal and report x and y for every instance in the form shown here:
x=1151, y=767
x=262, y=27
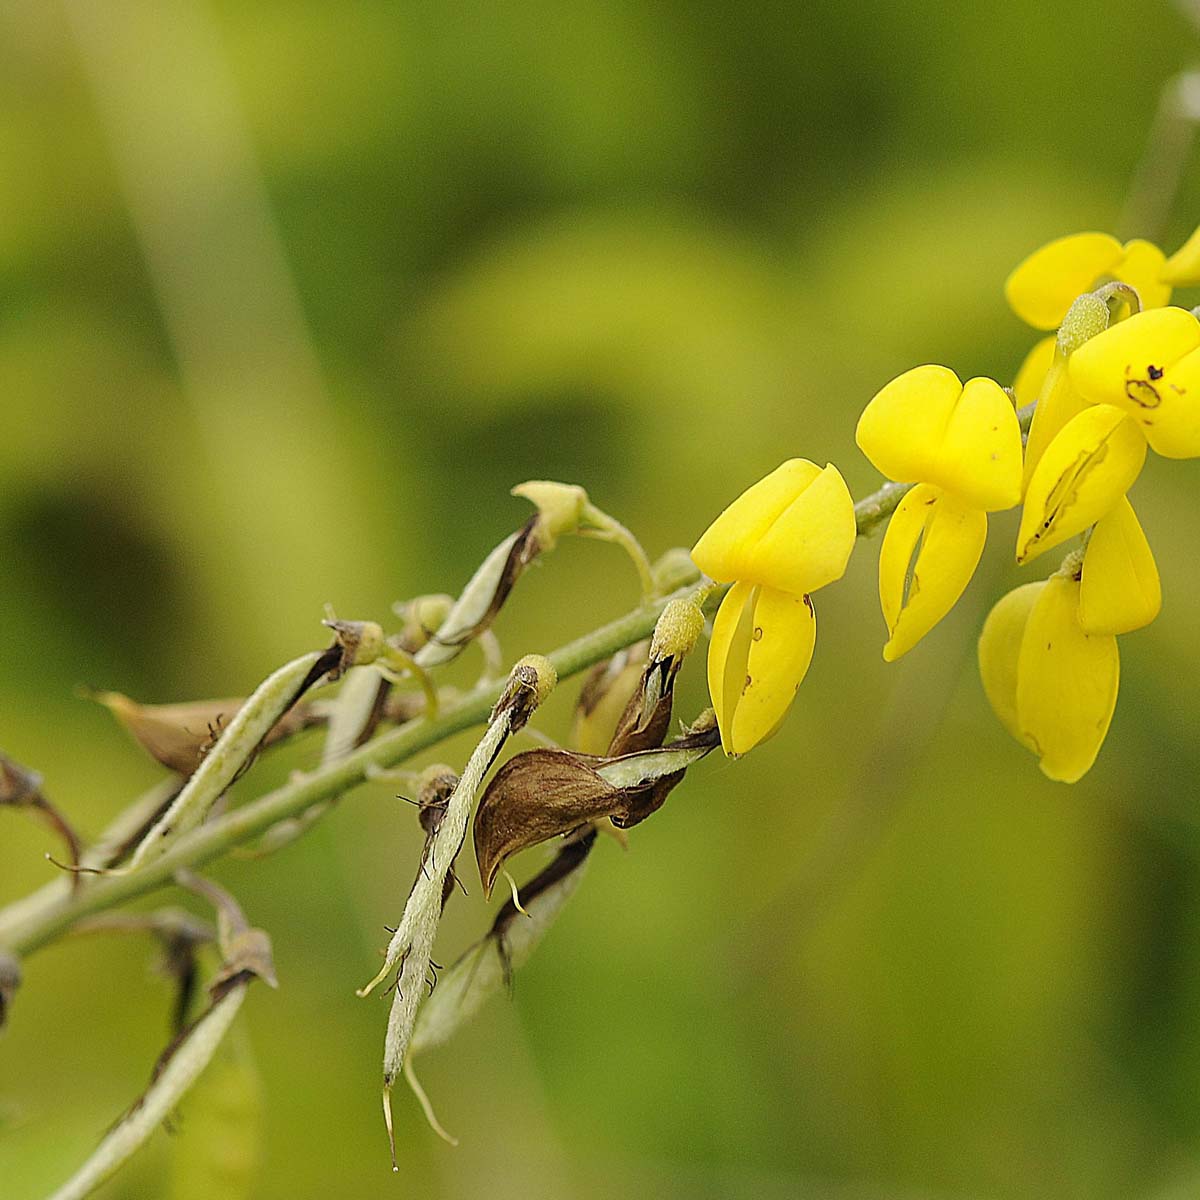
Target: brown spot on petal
x=1142, y=393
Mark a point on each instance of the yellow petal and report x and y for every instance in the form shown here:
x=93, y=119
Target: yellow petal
x=1120, y=590
x=1044, y=286
x=1057, y=404
x=999, y=652
x=1066, y=683
x=1182, y=269
x=781, y=648
x=1032, y=373
x=1086, y=469
x=761, y=647
x=926, y=427
x=1142, y=268
x=929, y=553
x=724, y=550
x=1109, y=368
x=1147, y=366
x=729, y=655
x=979, y=458
x=902, y=427
x=1169, y=408
x=811, y=542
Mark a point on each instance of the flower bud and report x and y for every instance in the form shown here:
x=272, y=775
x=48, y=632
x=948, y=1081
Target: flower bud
x=531, y=680
x=561, y=508
x=1088, y=317
x=422, y=615
x=677, y=631
x=361, y=642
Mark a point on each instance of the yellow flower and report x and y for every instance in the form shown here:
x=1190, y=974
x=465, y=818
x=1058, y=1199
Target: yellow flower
x=1149, y=366
x=929, y=553
x=962, y=445
x=1119, y=589
x=1052, y=684
x=762, y=644
x=927, y=427
x=1043, y=287
x=784, y=537
x=1087, y=467
x=792, y=530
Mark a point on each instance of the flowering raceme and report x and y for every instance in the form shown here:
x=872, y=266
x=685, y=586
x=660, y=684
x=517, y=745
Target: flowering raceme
x=1121, y=372
x=782, y=539
x=961, y=445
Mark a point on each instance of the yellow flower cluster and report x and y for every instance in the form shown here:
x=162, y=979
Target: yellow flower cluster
x=1121, y=374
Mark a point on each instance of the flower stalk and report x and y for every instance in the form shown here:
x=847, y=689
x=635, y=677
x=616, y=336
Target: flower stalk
x=26, y=926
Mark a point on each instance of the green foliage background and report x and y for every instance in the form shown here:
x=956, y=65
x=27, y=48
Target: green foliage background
x=293, y=292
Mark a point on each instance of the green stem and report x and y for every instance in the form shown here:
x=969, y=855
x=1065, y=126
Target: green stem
x=33, y=930
x=599, y=524
x=25, y=927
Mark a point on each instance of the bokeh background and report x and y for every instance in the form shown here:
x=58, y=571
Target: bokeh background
x=292, y=293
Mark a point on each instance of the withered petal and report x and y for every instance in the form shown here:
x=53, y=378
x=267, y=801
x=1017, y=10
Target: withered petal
x=537, y=795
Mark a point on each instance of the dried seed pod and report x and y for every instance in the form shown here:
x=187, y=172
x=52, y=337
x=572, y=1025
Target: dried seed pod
x=178, y=735
x=241, y=739
x=411, y=946
x=561, y=507
x=488, y=966
x=182, y=1062
x=542, y=793
x=351, y=718
x=433, y=798
x=483, y=597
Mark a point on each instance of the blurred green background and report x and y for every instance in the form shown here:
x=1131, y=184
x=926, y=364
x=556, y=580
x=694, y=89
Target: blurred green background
x=292, y=293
